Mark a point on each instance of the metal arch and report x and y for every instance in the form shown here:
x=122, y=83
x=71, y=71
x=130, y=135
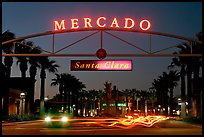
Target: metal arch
x=101, y=29
x=109, y=55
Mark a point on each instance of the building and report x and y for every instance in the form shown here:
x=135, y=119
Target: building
x=20, y=94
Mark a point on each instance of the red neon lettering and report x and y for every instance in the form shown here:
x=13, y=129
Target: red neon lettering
x=98, y=20
x=148, y=24
x=115, y=23
x=60, y=26
x=126, y=23
x=74, y=24
x=87, y=23
x=129, y=23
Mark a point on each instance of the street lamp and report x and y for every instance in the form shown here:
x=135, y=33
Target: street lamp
x=46, y=98
x=22, y=103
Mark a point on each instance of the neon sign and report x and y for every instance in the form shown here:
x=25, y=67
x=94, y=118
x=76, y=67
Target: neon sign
x=101, y=22
x=98, y=65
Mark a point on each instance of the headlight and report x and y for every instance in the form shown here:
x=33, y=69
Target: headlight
x=47, y=119
x=64, y=119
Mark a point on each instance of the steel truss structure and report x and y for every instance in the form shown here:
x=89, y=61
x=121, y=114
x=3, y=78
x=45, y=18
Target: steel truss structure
x=106, y=30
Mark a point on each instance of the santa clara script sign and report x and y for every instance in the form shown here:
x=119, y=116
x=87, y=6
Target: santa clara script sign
x=101, y=65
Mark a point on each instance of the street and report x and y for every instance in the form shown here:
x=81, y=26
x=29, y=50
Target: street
x=168, y=127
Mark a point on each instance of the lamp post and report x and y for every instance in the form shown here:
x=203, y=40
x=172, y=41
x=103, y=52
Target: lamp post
x=22, y=104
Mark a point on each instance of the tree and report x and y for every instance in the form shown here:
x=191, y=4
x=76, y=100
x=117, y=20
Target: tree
x=68, y=78
x=197, y=48
x=173, y=78
x=59, y=81
x=108, y=91
x=34, y=61
x=164, y=85
x=34, y=64
x=8, y=61
x=27, y=47
x=71, y=87
x=23, y=48
x=51, y=66
x=181, y=62
x=101, y=95
x=8, y=49
x=138, y=96
x=188, y=66
x=144, y=98
x=92, y=94
x=76, y=87
x=82, y=101
x=160, y=94
x=152, y=98
x=126, y=93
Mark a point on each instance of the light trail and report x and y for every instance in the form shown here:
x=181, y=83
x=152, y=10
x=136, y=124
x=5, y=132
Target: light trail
x=125, y=123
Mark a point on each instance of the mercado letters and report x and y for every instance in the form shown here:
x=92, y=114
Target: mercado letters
x=101, y=22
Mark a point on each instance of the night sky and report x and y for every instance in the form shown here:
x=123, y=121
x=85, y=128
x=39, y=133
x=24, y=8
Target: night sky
x=179, y=18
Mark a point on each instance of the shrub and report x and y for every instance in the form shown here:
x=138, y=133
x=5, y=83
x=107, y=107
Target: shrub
x=18, y=118
x=12, y=117
x=193, y=120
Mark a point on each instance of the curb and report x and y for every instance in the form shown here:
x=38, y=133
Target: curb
x=4, y=123
x=191, y=124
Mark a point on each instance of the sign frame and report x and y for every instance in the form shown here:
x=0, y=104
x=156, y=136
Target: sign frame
x=101, y=65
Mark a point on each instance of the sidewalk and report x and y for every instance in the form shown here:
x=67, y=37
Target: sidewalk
x=178, y=124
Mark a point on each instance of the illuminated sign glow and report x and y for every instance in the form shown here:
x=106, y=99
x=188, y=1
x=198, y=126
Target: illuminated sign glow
x=98, y=65
x=101, y=22
x=119, y=105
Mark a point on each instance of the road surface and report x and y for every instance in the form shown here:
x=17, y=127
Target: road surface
x=168, y=127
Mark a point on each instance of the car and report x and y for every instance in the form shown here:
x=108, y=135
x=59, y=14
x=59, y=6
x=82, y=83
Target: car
x=56, y=120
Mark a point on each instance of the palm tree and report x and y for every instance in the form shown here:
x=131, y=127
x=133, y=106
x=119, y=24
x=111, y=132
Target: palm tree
x=188, y=66
x=173, y=78
x=87, y=102
x=144, y=98
x=157, y=88
x=8, y=49
x=198, y=63
x=92, y=98
x=161, y=87
x=71, y=86
x=82, y=101
x=34, y=61
x=126, y=93
x=68, y=78
x=28, y=48
x=8, y=61
x=101, y=95
x=132, y=94
x=51, y=66
x=138, y=96
x=181, y=62
x=76, y=87
x=23, y=48
x=135, y=95
x=108, y=91
x=152, y=97
x=164, y=84
x=59, y=81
